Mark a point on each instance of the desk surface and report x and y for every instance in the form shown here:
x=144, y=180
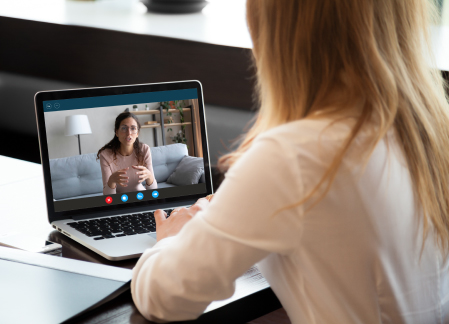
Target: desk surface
x=23, y=209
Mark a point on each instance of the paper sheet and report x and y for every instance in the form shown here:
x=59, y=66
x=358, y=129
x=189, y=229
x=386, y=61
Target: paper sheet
x=251, y=282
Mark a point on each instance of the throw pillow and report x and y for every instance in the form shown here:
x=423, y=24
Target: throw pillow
x=188, y=171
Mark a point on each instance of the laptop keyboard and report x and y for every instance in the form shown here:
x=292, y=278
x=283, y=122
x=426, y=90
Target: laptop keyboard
x=117, y=226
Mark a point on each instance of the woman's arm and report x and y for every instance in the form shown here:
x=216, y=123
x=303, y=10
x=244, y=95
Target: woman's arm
x=182, y=274
x=149, y=165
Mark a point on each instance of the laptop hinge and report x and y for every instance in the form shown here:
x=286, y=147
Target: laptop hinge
x=134, y=210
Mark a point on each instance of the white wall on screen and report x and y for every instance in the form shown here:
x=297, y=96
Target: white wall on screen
x=102, y=124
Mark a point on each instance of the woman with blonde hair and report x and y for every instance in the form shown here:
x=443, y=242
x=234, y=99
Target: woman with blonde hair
x=340, y=190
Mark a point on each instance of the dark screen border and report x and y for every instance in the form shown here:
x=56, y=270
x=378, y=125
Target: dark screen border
x=42, y=96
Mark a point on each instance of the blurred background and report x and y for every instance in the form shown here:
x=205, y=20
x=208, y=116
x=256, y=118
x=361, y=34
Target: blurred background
x=63, y=44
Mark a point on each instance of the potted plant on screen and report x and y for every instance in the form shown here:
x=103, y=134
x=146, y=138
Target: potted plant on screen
x=179, y=137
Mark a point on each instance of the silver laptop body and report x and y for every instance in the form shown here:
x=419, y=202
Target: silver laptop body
x=173, y=126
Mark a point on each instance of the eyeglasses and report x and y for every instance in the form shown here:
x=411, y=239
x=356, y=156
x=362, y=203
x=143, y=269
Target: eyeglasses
x=124, y=129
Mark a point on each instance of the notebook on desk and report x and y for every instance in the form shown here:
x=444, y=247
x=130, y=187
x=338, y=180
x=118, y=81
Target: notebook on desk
x=38, y=288
x=73, y=127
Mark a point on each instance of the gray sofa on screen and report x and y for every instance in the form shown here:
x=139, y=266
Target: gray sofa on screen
x=80, y=176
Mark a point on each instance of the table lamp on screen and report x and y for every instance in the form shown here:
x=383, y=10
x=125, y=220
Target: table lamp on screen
x=77, y=125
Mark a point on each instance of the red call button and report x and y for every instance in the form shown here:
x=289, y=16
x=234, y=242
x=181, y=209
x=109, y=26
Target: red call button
x=108, y=200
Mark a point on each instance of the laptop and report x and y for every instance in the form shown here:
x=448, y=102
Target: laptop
x=74, y=125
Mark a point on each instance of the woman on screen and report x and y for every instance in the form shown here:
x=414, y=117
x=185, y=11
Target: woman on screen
x=125, y=162
x=340, y=190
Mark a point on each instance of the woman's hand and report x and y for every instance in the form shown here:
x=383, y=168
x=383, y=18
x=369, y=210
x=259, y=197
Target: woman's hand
x=118, y=177
x=144, y=174
x=171, y=226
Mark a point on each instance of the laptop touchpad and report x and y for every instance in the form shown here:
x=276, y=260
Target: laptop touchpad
x=153, y=235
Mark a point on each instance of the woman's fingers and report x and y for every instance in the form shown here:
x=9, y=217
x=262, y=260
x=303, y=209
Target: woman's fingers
x=199, y=205
x=160, y=216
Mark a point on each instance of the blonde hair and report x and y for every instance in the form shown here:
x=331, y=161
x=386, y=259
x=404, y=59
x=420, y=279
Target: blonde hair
x=370, y=50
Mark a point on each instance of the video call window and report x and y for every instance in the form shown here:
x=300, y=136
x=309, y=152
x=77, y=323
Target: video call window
x=124, y=153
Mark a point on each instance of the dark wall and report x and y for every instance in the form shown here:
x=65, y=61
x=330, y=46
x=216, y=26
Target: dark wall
x=446, y=77
x=18, y=120
x=37, y=56
x=99, y=57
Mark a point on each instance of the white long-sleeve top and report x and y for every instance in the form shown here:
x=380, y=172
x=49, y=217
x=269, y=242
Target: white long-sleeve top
x=354, y=257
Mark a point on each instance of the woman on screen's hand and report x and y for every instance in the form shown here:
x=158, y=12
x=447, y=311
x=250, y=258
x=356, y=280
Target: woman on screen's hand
x=118, y=177
x=144, y=174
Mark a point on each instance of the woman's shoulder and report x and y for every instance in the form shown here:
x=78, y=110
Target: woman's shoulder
x=145, y=148
x=310, y=130
x=308, y=140
x=106, y=154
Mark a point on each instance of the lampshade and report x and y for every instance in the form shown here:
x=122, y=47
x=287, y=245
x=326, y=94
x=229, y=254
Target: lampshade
x=77, y=125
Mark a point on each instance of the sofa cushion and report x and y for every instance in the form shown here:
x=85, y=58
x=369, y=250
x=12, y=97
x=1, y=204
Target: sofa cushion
x=165, y=185
x=80, y=175
x=75, y=176
x=166, y=158
x=188, y=171
x=203, y=178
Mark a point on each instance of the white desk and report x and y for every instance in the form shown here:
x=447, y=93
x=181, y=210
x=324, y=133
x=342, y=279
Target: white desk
x=23, y=209
x=22, y=194
x=15, y=170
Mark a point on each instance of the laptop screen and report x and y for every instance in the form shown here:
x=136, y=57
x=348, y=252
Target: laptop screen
x=125, y=149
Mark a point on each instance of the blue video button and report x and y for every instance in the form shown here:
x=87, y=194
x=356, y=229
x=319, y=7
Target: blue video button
x=140, y=196
x=155, y=194
x=124, y=198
